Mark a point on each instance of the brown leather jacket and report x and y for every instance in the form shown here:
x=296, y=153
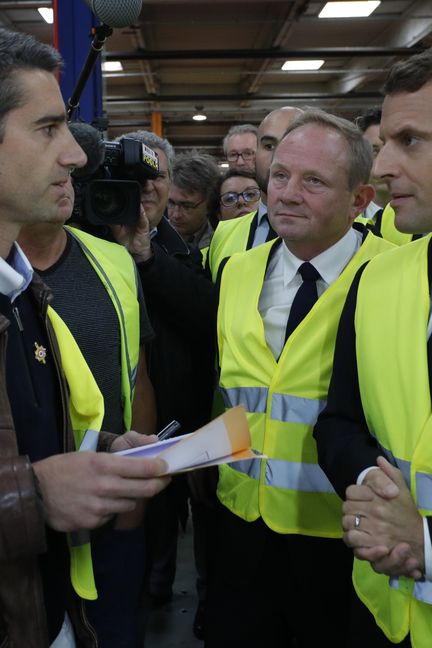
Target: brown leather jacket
x=22, y=527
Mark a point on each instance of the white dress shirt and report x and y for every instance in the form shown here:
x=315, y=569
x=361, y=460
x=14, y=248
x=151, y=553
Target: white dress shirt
x=282, y=281
x=15, y=274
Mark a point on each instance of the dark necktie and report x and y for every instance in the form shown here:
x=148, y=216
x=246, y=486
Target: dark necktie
x=305, y=297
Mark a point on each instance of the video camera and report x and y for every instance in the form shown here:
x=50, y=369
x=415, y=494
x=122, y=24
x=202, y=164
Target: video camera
x=108, y=187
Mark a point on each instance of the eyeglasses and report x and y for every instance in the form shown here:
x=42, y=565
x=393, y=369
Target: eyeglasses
x=184, y=206
x=233, y=156
x=231, y=198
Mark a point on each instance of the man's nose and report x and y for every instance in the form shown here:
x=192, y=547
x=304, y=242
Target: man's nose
x=292, y=191
x=72, y=155
x=384, y=163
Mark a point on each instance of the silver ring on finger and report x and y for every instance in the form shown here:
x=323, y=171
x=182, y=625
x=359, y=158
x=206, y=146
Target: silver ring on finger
x=357, y=520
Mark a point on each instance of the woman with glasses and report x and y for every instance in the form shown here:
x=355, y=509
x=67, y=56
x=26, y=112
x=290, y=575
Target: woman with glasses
x=237, y=194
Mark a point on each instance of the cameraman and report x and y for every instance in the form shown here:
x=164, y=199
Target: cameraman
x=182, y=305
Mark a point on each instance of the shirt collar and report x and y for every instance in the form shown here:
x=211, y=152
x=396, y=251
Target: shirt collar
x=15, y=273
x=329, y=263
x=262, y=211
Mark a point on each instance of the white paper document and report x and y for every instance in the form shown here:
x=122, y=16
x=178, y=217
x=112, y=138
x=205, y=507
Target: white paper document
x=223, y=440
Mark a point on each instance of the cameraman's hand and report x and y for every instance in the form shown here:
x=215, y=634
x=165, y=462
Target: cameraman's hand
x=136, y=238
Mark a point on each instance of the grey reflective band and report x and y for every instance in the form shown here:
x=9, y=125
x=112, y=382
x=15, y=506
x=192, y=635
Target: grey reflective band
x=288, y=475
x=250, y=467
x=291, y=475
x=422, y=590
x=294, y=409
x=424, y=490
x=285, y=407
x=253, y=399
x=134, y=374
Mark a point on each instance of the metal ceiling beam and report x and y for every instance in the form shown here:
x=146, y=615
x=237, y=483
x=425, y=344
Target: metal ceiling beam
x=25, y=4
x=295, y=10
x=272, y=53
x=244, y=97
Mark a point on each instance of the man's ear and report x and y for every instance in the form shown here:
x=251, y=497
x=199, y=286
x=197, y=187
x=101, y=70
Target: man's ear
x=363, y=195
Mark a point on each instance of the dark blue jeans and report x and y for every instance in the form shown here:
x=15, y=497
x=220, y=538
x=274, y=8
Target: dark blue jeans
x=118, y=563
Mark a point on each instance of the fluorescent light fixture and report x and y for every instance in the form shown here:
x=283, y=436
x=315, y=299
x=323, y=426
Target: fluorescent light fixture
x=47, y=14
x=199, y=117
x=303, y=65
x=112, y=66
x=354, y=9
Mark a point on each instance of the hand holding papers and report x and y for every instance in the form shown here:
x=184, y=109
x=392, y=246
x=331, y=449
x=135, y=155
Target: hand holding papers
x=223, y=440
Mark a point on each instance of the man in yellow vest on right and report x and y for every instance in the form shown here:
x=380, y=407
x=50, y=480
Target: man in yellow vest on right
x=375, y=436
x=279, y=569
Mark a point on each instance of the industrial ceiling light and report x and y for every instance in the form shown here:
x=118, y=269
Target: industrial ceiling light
x=303, y=65
x=112, y=66
x=351, y=9
x=199, y=115
x=47, y=14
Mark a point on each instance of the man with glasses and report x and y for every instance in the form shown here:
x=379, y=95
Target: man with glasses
x=181, y=358
x=194, y=178
x=240, y=145
x=253, y=229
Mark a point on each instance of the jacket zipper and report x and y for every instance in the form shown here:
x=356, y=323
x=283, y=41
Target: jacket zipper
x=17, y=316
x=87, y=625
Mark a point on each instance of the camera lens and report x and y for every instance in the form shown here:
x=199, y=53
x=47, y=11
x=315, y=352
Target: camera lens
x=107, y=202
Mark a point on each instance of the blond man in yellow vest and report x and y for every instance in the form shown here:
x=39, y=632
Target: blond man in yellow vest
x=279, y=565
x=374, y=438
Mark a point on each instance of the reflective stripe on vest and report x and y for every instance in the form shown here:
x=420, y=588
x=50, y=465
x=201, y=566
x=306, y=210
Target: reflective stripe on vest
x=287, y=474
x=285, y=407
x=86, y=409
x=116, y=269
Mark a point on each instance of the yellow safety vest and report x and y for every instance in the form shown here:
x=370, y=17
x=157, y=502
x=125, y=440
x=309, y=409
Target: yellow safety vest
x=363, y=220
x=388, y=228
x=229, y=237
x=86, y=408
x=117, y=271
x=391, y=320
x=282, y=398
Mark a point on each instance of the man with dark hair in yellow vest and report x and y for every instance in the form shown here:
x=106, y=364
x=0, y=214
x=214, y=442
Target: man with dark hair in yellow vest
x=279, y=566
x=48, y=397
x=374, y=437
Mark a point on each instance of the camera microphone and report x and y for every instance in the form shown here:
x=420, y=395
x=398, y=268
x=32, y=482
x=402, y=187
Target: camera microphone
x=91, y=142
x=116, y=13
